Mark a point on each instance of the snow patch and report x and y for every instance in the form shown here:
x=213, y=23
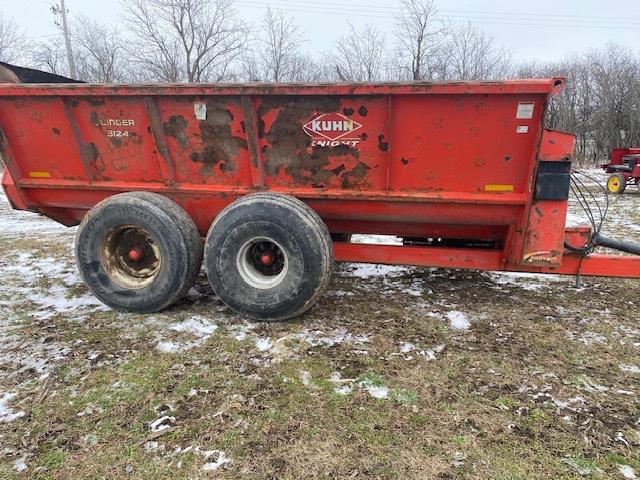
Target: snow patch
x=263, y=344
x=22, y=223
x=526, y=281
x=458, y=320
x=629, y=368
x=627, y=472
x=407, y=347
x=343, y=389
x=376, y=390
x=162, y=423
x=240, y=332
x=431, y=354
x=6, y=413
x=197, y=326
x=305, y=378
x=219, y=462
x=20, y=464
x=329, y=339
x=371, y=270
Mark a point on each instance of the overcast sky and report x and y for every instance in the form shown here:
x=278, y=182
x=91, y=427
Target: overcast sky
x=541, y=30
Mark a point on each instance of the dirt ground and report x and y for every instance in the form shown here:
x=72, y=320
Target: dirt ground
x=397, y=372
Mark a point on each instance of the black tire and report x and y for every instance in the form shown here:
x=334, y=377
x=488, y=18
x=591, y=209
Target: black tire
x=168, y=245
x=268, y=256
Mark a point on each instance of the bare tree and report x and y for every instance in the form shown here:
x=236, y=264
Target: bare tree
x=99, y=50
x=279, y=46
x=600, y=103
x=359, y=55
x=419, y=34
x=185, y=40
x=471, y=54
x=50, y=56
x=12, y=41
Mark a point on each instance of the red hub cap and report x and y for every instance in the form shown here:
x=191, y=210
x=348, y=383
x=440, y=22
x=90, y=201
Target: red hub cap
x=135, y=255
x=266, y=258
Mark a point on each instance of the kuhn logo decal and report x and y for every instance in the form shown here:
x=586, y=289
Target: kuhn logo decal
x=331, y=130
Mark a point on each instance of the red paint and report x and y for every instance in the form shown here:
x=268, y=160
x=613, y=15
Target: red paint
x=266, y=258
x=135, y=254
x=445, y=160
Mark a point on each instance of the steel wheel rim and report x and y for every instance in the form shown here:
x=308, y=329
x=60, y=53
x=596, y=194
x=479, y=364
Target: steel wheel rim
x=130, y=256
x=614, y=184
x=262, y=263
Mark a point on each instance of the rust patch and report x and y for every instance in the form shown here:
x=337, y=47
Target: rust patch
x=135, y=138
x=507, y=158
x=363, y=136
x=382, y=145
x=289, y=147
x=362, y=111
x=220, y=147
x=93, y=154
x=96, y=102
x=120, y=165
x=55, y=131
x=404, y=161
x=353, y=177
x=175, y=128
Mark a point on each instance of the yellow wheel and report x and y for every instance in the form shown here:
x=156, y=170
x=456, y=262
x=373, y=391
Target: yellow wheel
x=616, y=183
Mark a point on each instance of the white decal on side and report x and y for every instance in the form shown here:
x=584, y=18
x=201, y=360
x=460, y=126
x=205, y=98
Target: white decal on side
x=525, y=110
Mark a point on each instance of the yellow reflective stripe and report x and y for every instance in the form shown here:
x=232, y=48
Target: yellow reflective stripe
x=39, y=174
x=498, y=188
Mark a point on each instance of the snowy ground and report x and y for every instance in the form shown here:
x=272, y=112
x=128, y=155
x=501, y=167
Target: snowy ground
x=398, y=372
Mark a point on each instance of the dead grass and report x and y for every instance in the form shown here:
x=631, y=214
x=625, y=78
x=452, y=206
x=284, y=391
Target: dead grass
x=537, y=387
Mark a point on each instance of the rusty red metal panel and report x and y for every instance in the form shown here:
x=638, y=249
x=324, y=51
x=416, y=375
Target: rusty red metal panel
x=544, y=237
x=475, y=259
x=464, y=143
x=545, y=86
x=577, y=237
x=207, y=139
x=556, y=145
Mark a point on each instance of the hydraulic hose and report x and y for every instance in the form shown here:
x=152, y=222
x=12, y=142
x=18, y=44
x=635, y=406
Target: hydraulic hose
x=621, y=245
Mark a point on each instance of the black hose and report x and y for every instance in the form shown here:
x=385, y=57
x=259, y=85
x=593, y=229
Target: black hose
x=621, y=245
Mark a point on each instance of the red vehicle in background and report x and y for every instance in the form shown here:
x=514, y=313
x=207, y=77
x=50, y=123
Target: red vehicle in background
x=624, y=167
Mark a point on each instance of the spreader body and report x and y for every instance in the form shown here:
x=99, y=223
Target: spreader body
x=463, y=172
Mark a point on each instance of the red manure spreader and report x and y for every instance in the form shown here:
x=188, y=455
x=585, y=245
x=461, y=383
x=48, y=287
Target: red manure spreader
x=624, y=167
x=275, y=177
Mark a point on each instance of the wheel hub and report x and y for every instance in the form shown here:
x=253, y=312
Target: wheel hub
x=135, y=254
x=130, y=256
x=262, y=263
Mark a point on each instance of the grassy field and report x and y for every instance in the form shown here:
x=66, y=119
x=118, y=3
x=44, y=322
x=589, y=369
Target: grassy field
x=397, y=372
